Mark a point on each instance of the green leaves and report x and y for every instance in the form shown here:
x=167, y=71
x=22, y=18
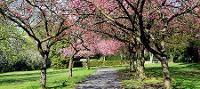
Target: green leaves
x=16, y=49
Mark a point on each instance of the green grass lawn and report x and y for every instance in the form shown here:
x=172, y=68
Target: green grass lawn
x=184, y=76
x=55, y=79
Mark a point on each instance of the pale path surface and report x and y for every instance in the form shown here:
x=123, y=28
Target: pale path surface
x=104, y=78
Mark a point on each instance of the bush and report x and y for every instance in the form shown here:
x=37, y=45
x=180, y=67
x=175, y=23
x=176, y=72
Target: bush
x=113, y=57
x=58, y=63
x=17, y=51
x=19, y=65
x=20, y=62
x=101, y=63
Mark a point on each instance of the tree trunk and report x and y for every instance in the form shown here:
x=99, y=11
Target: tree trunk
x=140, y=63
x=43, y=71
x=140, y=68
x=165, y=68
x=140, y=71
x=166, y=73
x=151, y=57
x=143, y=57
x=70, y=67
x=132, y=63
x=132, y=57
x=104, y=58
x=121, y=56
x=198, y=56
x=88, y=62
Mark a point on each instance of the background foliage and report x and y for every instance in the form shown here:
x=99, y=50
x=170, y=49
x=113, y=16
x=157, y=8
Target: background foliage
x=17, y=51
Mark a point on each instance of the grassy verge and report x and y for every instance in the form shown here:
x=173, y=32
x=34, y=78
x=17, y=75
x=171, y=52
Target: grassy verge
x=184, y=76
x=55, y=79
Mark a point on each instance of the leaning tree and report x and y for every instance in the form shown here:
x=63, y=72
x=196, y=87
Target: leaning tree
x=45, y=21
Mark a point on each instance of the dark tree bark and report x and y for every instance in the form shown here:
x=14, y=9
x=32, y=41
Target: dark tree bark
x=143, y=57
x=132, y=57
x=44, y=52
x=70, y=67
x=43, y=70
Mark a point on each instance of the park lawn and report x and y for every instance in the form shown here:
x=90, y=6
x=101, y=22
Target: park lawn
x=55, y=79
x=184, y=76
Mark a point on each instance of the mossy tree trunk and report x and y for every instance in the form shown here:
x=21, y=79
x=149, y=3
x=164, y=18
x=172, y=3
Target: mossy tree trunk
x=140, y=62
x=140, y=67
x=132, y=64
x=165, y=71
x=132, y=57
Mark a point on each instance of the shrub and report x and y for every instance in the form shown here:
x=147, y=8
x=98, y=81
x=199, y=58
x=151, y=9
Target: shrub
x=58, y=63
x=101, y=63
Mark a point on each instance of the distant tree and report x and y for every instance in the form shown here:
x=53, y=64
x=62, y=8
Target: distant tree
x=87, y=44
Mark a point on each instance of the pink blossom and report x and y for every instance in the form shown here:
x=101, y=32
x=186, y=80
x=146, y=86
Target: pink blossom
x=109, y=47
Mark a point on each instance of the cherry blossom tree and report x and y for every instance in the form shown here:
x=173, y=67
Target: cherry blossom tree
x=82, y=44
x=104, y=26
x=45, y=21
x=87, y=44
x=148, y=21
x=151, y=21
x=109, y=47
x=141, y=23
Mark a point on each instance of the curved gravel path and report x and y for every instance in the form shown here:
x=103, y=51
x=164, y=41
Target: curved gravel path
x=104, y=78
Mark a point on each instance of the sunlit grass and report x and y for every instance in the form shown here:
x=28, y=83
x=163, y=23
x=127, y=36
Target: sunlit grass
x=56, y=79
x=184, y=76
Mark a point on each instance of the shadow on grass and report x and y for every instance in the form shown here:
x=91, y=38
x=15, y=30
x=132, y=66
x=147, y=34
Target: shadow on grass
x=62, y=85
x=183, y=75
x=188, y=71
x=18, y=80
x=25, y=77
x=195, y=66
x=29, y=74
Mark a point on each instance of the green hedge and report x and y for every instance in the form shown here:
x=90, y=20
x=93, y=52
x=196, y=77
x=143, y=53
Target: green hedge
x=101, y=63
x=92, y=63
